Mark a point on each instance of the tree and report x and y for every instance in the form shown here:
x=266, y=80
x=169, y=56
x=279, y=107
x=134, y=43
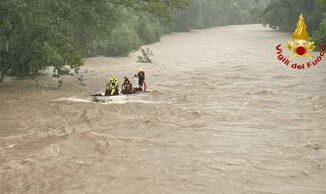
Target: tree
x=208, y=13
x=36, y=35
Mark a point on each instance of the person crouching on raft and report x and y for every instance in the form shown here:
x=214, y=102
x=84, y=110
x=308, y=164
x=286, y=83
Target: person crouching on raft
x=112, y=88
x=127, y=87
x=141, y=80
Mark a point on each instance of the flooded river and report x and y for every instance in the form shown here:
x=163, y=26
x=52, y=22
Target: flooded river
x=224, y=116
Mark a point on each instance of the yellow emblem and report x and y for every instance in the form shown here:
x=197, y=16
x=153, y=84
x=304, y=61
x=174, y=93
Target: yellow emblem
x=300, y=46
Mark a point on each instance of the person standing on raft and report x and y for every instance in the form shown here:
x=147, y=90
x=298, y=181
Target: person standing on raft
x=141, y=80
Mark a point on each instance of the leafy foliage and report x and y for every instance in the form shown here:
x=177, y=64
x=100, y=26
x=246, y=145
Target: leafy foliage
x=36, y=35
x=39, y=35
x=31, y=42
x=320, y=34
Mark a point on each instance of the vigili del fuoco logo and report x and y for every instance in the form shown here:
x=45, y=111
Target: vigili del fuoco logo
x=301, y=49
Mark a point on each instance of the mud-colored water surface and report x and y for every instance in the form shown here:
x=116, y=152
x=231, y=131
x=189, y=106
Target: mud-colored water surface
x=224, y=116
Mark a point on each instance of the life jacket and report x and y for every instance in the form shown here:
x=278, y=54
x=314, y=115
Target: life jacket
x=113, y=83
x=141, y=78
x=141, y=75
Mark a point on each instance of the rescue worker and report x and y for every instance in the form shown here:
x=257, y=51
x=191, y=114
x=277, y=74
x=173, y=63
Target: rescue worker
x=126, y=86
x=112, y=87
x=141, y=80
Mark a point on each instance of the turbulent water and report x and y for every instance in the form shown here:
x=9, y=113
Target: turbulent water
x=224, y=116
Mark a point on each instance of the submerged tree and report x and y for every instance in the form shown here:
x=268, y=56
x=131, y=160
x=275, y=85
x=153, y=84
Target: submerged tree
x=146, y=56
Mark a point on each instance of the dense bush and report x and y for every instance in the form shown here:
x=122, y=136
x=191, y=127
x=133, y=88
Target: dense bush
x=149, y=28
x=130, y=32
x=320, y=34
x=31, y=41
x=121, y=41
x=36, y=35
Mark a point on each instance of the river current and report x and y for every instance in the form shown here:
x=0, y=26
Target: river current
x=223, y=116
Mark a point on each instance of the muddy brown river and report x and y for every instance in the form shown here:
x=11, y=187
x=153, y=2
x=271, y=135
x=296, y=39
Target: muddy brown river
x=223, y=116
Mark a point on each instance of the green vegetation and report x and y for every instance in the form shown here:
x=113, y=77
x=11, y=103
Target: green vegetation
x=38, y=35
x=320, y=34
x=208, y=13
x=284, y=14
x=55, y=34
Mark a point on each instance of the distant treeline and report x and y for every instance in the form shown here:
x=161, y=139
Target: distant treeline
x=37, y=35
x=284, y=15
x=208, y=13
